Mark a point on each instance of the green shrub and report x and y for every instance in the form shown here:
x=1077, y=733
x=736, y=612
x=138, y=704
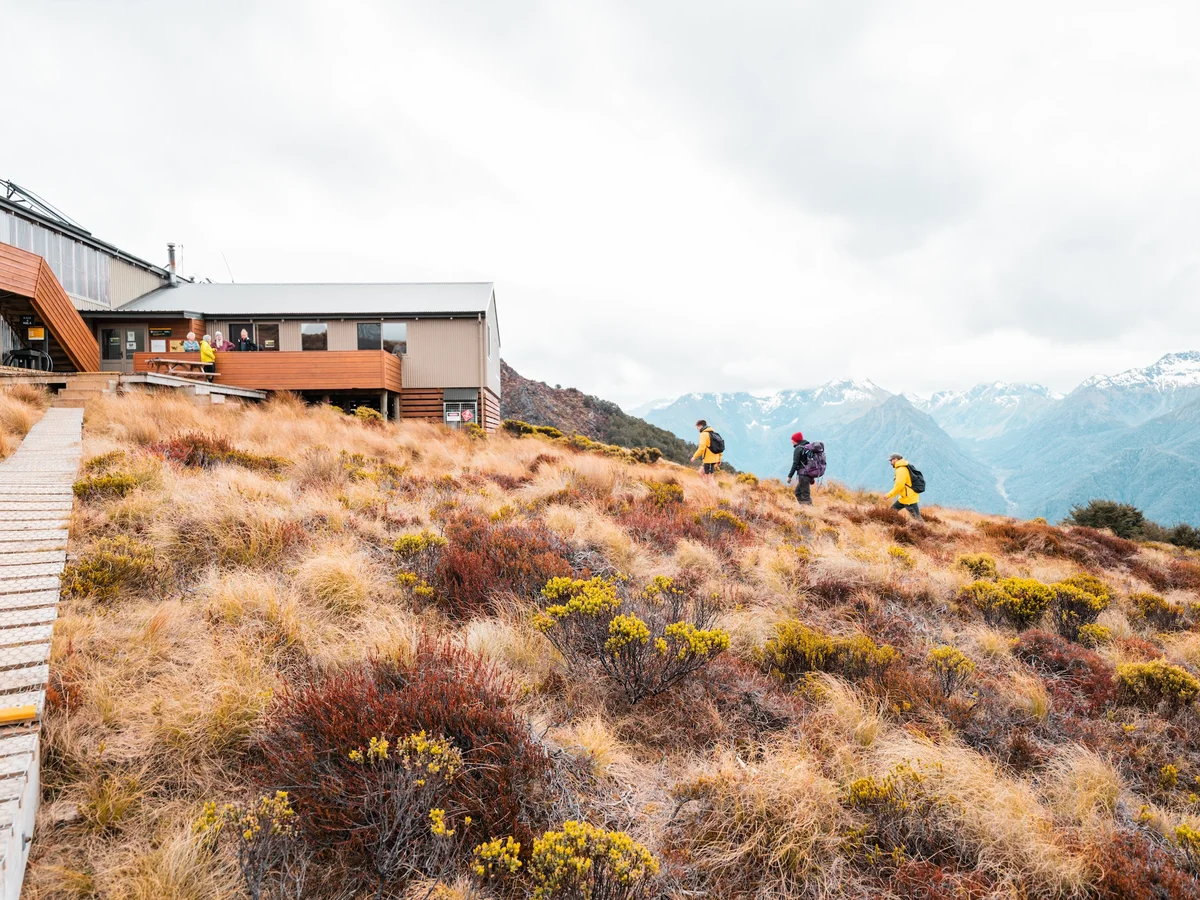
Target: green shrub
x=1148, y=684
x=797, y=649
x=747, y=478
x=1121, y=519
x=104, y=462
x=104, y=486
x=113, y=564
x=646, y=643
x=951, y=667
x=516, y=426
x=981, y=566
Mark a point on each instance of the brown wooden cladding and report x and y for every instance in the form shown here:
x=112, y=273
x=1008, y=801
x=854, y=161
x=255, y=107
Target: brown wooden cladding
x=421, y=403
x=489, y=408
x=302, y=370
x=28, y=275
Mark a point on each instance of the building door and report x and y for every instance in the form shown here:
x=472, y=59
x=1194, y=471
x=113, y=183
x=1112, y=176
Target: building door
x=117, y=346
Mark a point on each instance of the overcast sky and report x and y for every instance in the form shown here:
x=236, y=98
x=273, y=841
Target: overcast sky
x=669, y=196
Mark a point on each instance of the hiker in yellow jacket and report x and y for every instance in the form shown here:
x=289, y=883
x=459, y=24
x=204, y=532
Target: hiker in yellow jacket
x=208, y=356
x=906, y=498
x=709, y=461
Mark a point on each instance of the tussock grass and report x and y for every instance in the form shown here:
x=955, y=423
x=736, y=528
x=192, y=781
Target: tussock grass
x=258, y=583
x=998, y=821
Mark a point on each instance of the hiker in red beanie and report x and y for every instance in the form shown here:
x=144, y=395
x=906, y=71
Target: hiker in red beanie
x=808, y=464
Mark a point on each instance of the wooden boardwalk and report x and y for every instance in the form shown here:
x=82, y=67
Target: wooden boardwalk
x=35, y=507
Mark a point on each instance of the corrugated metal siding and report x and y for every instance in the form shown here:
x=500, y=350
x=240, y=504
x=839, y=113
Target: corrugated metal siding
x=493, y=362
x=343, y=335
x=443, y=353
x=128, y=282
x=289, y=335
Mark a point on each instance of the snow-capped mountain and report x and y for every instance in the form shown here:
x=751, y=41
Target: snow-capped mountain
x=989, y=410
x=1044, y=449
x=757, y=428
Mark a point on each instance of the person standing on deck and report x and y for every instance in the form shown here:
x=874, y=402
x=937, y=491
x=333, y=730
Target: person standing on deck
x=208, y=356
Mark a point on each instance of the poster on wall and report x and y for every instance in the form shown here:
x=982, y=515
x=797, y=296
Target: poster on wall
x=158, y=346
x=176, y=346
x=37, y=333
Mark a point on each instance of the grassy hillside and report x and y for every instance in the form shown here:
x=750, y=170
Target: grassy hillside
x=441, y=646
x=574, y=412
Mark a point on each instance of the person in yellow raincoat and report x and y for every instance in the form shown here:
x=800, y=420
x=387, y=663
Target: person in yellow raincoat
x=709, y=461
x=906, y=498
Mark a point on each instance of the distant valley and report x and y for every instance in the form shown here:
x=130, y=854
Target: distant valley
x=1020, y=449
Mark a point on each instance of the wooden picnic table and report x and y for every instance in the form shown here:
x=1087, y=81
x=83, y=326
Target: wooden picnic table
x=183, y=368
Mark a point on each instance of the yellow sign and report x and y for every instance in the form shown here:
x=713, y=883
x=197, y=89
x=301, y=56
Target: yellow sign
x=37, y=333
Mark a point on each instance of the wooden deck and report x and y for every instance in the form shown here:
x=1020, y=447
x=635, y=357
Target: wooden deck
x=35, y=507
x=297, y=370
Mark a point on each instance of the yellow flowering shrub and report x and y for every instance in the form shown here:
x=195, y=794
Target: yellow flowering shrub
x=1157, y=681
x=1019, y=602
x=951, y=667
x=797, y=649
x=1094, y=635
x=664, y=493
x=719, y=522
x=645, y=642
x=898, y=816
x=1155, y=611
x=400, y=816
x=582, y=862
x=901, y=557
x=980, y=566
x=265, y=832
x=1077, y=602
x=1187, y=839
x=496, y=859
x=418, y=556
x=747, y=478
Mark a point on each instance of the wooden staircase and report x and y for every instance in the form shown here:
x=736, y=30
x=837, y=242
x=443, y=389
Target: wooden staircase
x=84, y=386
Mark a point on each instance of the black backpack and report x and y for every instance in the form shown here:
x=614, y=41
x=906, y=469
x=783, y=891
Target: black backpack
x=918, y=480
x=716, y=443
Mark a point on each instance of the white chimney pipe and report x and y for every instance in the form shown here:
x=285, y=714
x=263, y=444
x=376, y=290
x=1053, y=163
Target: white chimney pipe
x=172, y=278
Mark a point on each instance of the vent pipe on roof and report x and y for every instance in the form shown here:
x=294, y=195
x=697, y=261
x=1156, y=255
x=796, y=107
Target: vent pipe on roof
x=172, y=279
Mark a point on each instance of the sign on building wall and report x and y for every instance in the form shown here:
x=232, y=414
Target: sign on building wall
x=37, y=333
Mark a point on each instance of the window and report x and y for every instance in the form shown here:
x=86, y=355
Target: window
x=268, y=337
x=314, y=336
x=369, y=336
x=110, y=344
x=235, y=331
x=489, y=339
x=395, y=337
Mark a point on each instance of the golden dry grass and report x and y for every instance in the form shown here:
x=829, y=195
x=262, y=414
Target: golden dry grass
x=266, y=577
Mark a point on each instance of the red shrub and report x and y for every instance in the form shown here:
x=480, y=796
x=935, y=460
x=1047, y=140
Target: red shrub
x=1185, y=574
x=1136, y=869
x=1086, y=546
x=485, y=557
x=920, y=880
x=197, y=450
x=444, y=691
x=1083, y=671
x=662, y=526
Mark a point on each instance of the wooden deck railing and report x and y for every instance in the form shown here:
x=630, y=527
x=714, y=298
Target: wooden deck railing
x=300, y=370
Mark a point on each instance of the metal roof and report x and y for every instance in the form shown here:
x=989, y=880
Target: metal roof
x=24, y=202
x=213, y=300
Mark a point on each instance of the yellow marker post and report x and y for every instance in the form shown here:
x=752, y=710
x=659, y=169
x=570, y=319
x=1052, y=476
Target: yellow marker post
x=13, y=714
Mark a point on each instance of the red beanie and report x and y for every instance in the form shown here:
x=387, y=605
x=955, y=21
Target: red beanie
x=797, y=437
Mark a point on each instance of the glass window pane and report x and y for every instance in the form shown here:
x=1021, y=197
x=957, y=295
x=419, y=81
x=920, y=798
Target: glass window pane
x=110, y=343
x=103, y=269
x=268, y=337
x=236, y=329
x=395, y=337
x=67, y=275
x=24, y=233
x=368, y=336
x=39, y=241
x=314, y=336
